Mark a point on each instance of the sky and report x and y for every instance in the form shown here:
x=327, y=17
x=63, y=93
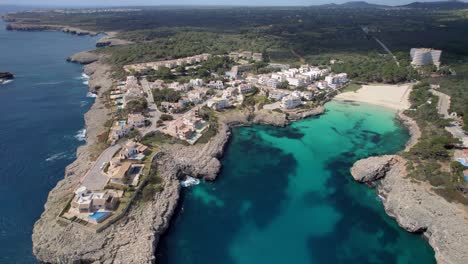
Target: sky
x=191, y=2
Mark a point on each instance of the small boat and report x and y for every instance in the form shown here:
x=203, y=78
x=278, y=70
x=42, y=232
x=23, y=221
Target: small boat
x=189, y=181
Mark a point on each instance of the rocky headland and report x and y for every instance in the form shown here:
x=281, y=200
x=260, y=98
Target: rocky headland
x=111, y=40
x=84, y=57
x=416, y=207
x=42, y=27
x=134, y=238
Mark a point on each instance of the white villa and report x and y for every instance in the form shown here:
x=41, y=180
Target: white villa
x=291, y=101
x=336, y=80
x=132, y=148
x=245, y=88
x=86, y=201
x=216, y=85
x=218, y=103
x=136, y=120
x=119, y=130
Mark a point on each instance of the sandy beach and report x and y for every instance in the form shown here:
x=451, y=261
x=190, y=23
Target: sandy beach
x=390, y=96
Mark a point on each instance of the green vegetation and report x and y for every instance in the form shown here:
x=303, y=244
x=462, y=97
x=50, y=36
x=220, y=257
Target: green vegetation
x=352, y=87
x=456, y=87
x=166, y=95
x=256, y=100
x=208, y=115
x=283, y=85
x=377, y=68
x=153, y=185
x=166, y=117
x=163, y=73
x=429, y=158
x=218, y=65
x=137, y=106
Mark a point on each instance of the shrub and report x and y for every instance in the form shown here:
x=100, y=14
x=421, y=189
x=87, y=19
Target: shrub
x=166, y=117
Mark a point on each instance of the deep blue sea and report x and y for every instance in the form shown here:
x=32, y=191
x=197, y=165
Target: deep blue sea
x=285, y=195
x=41, y=118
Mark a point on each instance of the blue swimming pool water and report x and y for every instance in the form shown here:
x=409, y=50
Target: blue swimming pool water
x=98, y=215
x=122, y=123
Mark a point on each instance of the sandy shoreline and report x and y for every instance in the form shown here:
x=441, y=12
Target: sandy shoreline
x=395, y=97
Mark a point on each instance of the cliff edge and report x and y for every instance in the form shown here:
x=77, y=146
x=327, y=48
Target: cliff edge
x=416, y=208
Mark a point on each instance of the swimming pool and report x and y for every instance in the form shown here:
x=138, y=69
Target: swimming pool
x=98, y=216
x=135, y=170
x=122, y=123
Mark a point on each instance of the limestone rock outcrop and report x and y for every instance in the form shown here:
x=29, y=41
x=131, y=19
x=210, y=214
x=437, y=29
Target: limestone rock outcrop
x=372, y=169
x=84, y=57
x=418, y=209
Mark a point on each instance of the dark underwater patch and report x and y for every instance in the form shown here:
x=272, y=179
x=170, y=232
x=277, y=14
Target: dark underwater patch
x=287, y=132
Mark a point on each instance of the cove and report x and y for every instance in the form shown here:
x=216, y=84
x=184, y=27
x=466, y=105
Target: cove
x=41, y=125
x=285, y=195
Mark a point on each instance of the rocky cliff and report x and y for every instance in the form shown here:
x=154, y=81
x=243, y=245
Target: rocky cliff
x=133, y=239
x=417, y=208
x=84, y=57
x=42, y=27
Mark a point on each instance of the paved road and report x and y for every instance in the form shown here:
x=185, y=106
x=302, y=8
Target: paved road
x=95, y=179
x=152, y=108
x=443, y=104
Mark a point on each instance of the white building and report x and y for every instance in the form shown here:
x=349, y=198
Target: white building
x=425, y=56
x=279, y=76
x=336, y=80
x=219, y=85
x=136, y=120
x=197, y=82
x=322, y=85
x=291, y=101
x=245, y=88
x=307, y=95
x=272, y=83
x=277, y=95
x=296, y=81
x=257, y=57
x=218, y=103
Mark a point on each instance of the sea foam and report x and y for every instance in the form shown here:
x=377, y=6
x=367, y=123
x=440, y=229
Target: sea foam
x=91, y=95
x=58, y=156
x=81, y=135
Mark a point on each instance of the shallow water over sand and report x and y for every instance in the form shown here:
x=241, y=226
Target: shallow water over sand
x=285, y=195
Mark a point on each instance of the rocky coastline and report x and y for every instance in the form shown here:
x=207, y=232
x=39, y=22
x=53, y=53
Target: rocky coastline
x=35, y=27
x=416, y=208
x=134, y=239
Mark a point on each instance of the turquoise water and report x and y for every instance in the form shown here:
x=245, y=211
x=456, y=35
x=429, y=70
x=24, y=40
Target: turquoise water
x=41, y=125
x=98, y=215
x=285, y=195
